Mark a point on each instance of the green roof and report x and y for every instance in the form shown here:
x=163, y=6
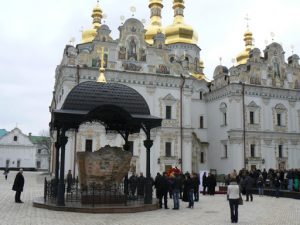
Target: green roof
x=38, y=139
x=3, y=132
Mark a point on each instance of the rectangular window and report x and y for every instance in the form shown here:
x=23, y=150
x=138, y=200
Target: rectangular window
x=88, y=145
x=15, y=138
x=38, y=164
x=251, y=117
x=278, y=119
x=225, y=151
x=95, y=62
x=7, y=163
x=280, y=151
x=225, y=118
x=252, y=150
x=168, y=149
x=201, y=95
x=168, y=112
x=201, y=122
x=131, y=144
x=18, y=163
x=202, y=157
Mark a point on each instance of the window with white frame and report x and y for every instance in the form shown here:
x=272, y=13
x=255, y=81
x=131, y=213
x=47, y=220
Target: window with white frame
x=223, y=110
x=253, y=113
x=201, y=157
x=225, y=151
x=88, y=145
x=168, y=104
x=168, y=149
x=280, y=114
x=168, y=112
x=201, y=122
x=278, y=119
x=280, y=151
x=252, y=150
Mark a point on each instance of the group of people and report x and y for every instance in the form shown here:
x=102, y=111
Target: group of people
x=276, y=179
x=244, y=182
x=176, y=186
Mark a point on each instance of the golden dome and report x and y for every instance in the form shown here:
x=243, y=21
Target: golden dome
x=243, y=57
x=155, y=26
x=90, y=34
x=179, y=32
x=200, y=75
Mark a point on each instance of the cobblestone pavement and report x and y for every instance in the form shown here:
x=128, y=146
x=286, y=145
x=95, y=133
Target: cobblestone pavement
x=209, y=210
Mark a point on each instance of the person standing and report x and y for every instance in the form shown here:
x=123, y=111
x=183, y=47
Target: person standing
x=260, y=185
x=141, y=185
x=277, y=184
x=204, y=183
x=18, y=186
x=196, y=181
x=248, y=182
x=6, y=173
x=163, y=189
x=233, y=195
x=132, y=185
x=190, y=189
x=175, y=190
x=69, y=181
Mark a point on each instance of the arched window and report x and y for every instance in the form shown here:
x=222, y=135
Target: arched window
x=280, y=114
x=223, y=109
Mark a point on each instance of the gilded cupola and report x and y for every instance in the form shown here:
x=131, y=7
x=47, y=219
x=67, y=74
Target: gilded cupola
x=243, y=57
x=89, y=35
x=179, y=32
x=155, y=24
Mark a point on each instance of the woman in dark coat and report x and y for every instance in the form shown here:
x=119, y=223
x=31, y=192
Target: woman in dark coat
x=18, y=186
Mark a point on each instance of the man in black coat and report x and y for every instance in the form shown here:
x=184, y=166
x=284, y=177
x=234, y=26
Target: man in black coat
x=204, y=183
x=133, y=180
x=163, y=187
x=248, y=183
x=141, y=181
x=18, y=186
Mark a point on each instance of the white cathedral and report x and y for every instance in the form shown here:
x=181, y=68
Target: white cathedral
x=248, y=116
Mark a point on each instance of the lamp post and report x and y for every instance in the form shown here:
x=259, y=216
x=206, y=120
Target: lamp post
x=181, y=118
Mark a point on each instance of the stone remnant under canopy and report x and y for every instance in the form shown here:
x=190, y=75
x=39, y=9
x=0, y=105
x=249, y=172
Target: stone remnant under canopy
x=105, y=167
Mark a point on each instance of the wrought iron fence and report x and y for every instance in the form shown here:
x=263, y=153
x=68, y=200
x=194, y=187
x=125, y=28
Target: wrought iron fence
x=92, y=194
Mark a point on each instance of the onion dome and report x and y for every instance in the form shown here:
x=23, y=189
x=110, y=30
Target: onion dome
x=243, y=57
x=220, y=70
x=155, y=26
x=179, y=32
x=89, y=35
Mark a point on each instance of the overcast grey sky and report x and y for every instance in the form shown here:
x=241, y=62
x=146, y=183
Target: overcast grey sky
x=34, y=33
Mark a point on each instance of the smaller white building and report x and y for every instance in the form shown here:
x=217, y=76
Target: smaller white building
x=17, y=151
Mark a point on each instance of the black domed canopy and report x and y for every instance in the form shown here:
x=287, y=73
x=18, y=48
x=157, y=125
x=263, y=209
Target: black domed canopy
x=89, y=95
x=117, y=106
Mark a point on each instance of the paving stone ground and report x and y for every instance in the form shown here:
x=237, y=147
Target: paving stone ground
x=209, y=210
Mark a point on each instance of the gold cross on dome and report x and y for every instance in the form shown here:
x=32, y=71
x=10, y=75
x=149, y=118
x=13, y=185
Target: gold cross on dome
x=101, y=77
x=247, y=18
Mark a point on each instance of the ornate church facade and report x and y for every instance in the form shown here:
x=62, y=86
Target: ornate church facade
x=247, y=116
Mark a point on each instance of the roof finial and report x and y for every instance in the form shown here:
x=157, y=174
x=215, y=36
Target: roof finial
x=220, y=60
x=292, y=47
x=101, y=77
x=132, y=10
x=247, y=19
x=272, y=36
